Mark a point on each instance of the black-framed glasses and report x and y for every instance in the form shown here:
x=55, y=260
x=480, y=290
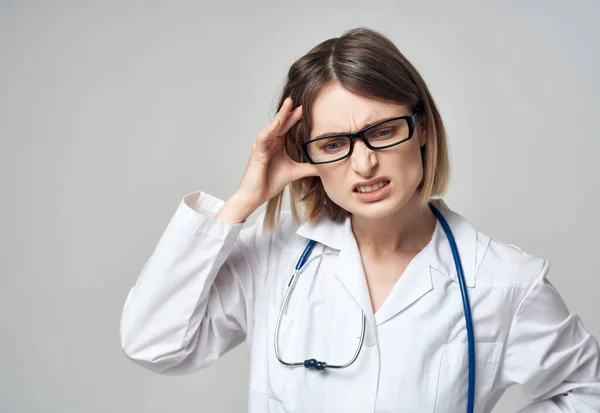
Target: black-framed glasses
x=384, y=134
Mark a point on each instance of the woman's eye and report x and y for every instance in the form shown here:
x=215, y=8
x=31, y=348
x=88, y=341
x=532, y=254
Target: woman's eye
x=384, y=133
x=332, y=146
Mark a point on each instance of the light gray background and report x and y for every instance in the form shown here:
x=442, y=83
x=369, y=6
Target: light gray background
x=111, y=111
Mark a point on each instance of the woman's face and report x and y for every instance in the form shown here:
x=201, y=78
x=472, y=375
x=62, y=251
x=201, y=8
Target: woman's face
x=399, y=167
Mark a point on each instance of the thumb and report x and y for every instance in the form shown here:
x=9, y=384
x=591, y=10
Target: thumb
x=302, y=170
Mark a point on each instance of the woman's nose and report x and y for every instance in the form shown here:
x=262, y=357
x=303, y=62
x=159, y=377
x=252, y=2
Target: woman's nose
x=364, y=160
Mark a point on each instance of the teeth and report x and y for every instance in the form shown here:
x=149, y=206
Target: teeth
x=371, y=188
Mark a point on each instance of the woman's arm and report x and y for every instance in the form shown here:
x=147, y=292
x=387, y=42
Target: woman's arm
x=551, y=354
x=193, y=300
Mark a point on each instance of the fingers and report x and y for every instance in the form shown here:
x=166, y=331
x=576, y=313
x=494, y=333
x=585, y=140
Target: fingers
x=282, y=122
x=291, y=120
x=263, y=139
x=285, y=109
x=287, y=119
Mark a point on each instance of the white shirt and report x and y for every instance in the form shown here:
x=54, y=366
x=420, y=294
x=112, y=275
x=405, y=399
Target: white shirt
x=210, y=285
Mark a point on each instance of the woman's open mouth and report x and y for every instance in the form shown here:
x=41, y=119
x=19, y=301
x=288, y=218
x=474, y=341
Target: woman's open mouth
x=372, y=193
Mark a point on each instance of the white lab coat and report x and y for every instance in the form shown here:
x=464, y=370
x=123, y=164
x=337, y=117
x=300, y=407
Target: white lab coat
x=210, y=285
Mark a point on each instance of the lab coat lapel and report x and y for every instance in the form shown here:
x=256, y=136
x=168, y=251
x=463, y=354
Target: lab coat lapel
x=413, y=284
x=417, y=280
x=471, y=246
x=348, y=268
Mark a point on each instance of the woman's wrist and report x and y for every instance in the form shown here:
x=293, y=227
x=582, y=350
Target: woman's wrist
x=235, y=210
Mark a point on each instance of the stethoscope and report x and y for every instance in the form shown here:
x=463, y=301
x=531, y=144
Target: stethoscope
x=323, y=366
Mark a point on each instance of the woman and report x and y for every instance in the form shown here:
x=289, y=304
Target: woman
x=379, y=292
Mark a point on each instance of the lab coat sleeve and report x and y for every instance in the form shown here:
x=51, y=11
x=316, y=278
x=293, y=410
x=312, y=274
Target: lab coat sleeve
x=193, y=300
x=551, y=354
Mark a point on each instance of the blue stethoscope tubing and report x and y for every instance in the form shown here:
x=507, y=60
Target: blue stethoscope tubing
x=463, y=292
x=466, y=306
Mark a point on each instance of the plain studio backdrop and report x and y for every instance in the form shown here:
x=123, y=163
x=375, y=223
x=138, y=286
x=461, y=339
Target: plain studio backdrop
x=110, y=112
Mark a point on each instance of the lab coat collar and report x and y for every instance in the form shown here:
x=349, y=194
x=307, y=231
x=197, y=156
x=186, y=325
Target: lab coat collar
x=349, y=270
x=466, y=237
x=327, y=232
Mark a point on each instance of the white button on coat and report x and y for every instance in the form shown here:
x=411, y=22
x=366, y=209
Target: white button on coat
x=369, y=339
x=209, y=285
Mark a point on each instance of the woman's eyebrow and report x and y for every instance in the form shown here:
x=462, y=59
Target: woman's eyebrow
x=366, y=125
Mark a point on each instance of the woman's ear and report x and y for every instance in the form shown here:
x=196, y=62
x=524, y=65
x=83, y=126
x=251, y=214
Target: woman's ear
x=420, y=132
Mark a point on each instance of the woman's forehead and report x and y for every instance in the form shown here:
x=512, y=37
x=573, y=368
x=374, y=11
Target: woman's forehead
x=336, y=110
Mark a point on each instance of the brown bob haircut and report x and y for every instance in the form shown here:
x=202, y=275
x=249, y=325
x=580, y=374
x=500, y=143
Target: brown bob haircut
x=368, y=64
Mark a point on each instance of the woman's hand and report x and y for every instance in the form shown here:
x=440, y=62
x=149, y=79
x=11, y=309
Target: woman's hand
x=269, y=168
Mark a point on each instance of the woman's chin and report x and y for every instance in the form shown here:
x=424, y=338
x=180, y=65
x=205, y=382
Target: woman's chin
x=375, y=210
